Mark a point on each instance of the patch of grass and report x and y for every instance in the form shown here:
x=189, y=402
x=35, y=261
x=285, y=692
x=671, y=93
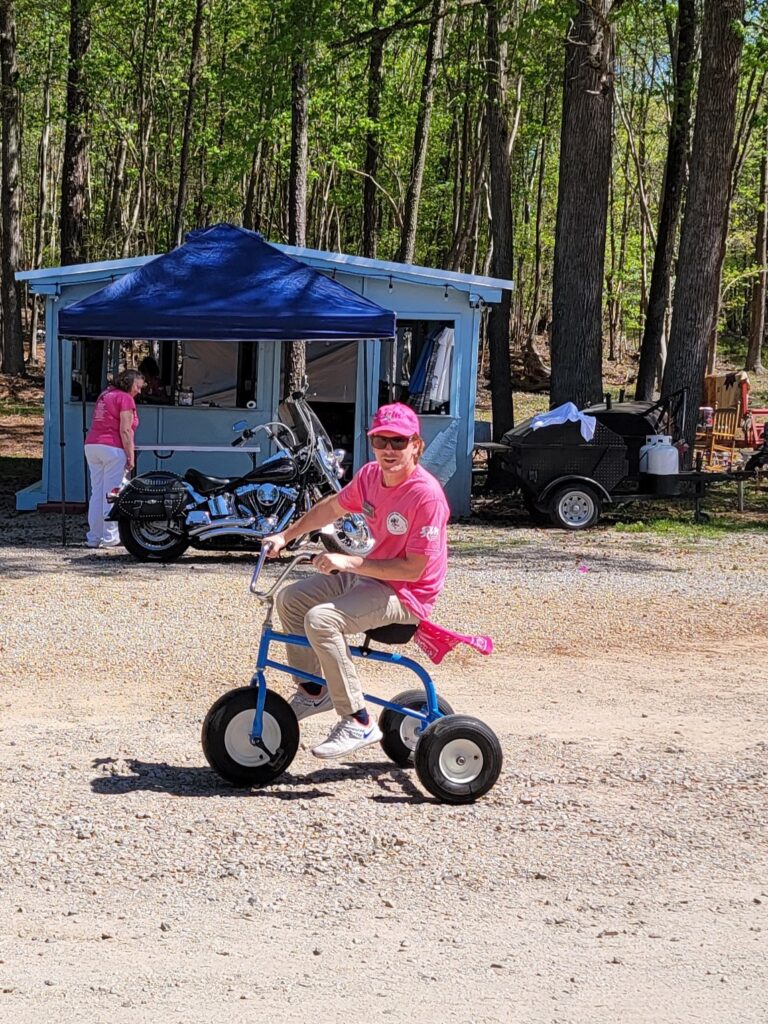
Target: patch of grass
x=491, y=546
x=10, y=408
x=690, y=531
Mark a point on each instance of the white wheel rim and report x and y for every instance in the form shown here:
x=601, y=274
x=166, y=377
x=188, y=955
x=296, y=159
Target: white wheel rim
x=237, y=739
x=461, y=761
x=410, y=730
x=576, y=508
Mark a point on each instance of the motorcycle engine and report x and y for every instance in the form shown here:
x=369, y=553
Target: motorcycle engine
x=267, y=502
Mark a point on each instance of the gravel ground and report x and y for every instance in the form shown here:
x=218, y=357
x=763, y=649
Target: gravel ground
x=617, y=871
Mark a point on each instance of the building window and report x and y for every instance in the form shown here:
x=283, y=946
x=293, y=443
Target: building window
x=417, y=366
x=205, y=373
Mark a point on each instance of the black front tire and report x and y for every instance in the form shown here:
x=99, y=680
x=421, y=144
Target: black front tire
x=575, y=507
x=226, y=737
x=151, y=541
x=400, y=733
x=458, y=759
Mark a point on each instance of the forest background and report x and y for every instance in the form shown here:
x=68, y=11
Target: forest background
x=561, y=143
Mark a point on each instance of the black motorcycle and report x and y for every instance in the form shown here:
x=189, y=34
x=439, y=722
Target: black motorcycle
x=160, y=514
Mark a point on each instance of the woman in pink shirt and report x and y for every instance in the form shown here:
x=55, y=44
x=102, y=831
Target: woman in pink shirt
x=397, y=582
x=109, y=452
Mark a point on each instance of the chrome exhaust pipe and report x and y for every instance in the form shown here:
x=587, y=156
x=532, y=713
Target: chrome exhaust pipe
x=221, y=525
x=228, y=531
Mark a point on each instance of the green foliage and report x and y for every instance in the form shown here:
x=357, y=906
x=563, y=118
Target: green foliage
x=137, y=72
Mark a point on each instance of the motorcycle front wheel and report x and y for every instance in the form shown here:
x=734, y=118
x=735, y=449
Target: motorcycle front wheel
x=347, y=536
x=153, y=540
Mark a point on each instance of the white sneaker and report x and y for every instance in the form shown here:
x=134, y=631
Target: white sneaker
x=304, y=705
x=93, y=543
x=111, y=543
x=347, y=735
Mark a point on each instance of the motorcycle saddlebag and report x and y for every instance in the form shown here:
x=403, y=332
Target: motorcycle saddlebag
x=152, y=496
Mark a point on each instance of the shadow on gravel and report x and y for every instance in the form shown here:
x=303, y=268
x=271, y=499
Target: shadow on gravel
x=77, y=558
x=479, y=556
x=160, y=777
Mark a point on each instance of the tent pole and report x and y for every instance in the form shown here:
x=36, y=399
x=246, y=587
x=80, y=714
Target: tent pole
x=62, y=446
x=86, y=472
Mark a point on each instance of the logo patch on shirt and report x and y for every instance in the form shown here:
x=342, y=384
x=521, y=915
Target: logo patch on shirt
x=430, y=532
x=368, y=509
x=397, y=523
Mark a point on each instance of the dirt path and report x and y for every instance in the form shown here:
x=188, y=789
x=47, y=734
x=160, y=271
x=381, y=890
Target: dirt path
x=616, y=872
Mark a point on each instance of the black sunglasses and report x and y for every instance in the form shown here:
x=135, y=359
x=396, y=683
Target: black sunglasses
x=398, y=444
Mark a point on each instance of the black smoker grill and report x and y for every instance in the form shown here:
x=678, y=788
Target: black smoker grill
x=568, y=480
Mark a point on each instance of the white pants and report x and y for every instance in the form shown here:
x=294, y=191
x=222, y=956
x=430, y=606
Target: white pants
x=107, y=466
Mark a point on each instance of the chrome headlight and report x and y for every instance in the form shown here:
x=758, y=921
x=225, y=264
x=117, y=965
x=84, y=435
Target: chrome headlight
x=338, y=455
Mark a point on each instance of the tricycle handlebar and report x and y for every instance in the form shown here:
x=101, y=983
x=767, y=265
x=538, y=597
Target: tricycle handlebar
x=300, y=555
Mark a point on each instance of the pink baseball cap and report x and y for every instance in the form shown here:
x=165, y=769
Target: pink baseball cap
x=396, y=419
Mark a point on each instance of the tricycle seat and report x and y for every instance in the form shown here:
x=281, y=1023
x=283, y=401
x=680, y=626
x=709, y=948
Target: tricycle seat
x=396, y=633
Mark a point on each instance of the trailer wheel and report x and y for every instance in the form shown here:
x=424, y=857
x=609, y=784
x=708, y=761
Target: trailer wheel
x=575, y=507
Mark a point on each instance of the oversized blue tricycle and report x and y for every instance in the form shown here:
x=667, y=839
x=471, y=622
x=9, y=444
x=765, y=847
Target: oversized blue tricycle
x=251, y=735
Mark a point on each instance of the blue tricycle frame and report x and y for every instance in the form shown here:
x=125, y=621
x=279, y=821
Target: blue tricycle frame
x=263, y=662
x=251, y=734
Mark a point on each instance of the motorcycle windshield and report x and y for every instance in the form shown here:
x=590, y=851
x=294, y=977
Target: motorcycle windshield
x=297, y=414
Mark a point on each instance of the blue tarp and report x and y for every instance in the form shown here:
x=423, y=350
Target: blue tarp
x=226, y=284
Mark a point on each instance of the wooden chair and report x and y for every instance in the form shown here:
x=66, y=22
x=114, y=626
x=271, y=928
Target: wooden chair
x=726, y=428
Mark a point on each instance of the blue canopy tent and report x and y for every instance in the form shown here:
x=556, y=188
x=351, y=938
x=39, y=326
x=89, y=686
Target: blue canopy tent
x=224, y=284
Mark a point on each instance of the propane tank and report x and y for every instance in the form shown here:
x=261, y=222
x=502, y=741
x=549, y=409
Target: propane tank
x=650, y=442
x=659, y=457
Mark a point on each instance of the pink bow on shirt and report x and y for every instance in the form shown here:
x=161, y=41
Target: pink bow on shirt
x=437, y=641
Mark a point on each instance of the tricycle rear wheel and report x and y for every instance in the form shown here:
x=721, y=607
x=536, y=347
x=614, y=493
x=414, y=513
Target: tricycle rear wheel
x=458, y=759
x=400, y=732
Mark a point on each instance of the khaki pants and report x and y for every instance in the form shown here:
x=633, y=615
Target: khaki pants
x=327, y=609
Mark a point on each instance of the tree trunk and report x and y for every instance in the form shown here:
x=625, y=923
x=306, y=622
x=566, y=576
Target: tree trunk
x=421, y=134
x=249, y=219
x=41, y=207
x=582, y=208
x=533, y=323
x=706, y=209
x=651, y=364
x=296, y=351
x=74, y=174
x=112, y=215
x=754, y=362
x=297, y=185
x=13, y=342
x=194, y=75
x=740, y=148
x=500, y=174
x=375, y=74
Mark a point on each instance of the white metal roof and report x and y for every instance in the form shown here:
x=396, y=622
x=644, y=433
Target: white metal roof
x=48, y=280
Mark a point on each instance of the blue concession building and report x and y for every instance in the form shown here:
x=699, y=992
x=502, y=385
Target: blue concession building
x=215, y=315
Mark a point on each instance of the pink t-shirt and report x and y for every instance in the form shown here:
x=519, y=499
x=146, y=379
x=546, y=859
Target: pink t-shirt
x=105, y=428
x=408, y=519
